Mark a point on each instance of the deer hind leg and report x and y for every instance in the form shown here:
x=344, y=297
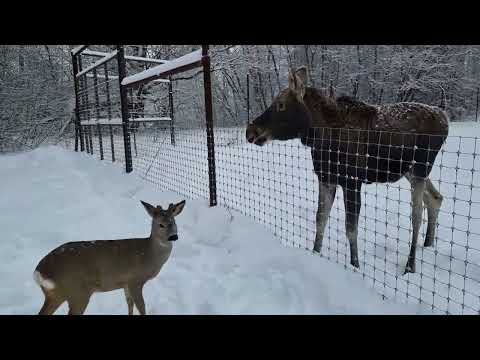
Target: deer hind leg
x=418, y=189
x=136, y=293
x=433, y=200
x=78, y=303
x=51, y=304
x=352, y=201
x=129, y=299
x=326, y=196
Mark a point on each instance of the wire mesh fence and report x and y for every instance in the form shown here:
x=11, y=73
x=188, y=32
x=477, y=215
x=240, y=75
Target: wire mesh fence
x=276, y=185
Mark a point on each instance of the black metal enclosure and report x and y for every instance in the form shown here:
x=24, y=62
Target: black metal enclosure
x=109, y=101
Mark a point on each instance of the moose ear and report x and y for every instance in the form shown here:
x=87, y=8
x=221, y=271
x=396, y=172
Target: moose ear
x=296, y=82
x=302, y=75
x=150, y=208
x=292, y=84
x=178, y=208
x=331, y=91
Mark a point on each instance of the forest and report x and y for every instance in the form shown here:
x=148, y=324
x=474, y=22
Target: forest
x=37, y=96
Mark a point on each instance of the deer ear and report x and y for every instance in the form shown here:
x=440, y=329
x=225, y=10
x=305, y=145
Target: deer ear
x=150, y=208
x=178, y=208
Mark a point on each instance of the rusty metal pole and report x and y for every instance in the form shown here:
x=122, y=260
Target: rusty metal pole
x=248, y=99
x=207, y=83
x=476, y=109
x=122, y=73
x=78, y=125
x=170, y=104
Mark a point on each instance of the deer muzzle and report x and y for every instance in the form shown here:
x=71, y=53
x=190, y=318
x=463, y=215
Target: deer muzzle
x=172, y=232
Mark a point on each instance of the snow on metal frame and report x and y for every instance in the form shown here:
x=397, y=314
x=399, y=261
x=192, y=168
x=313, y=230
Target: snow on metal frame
x=185, y=60
x=118, y=121
x=116, y=77
x=98, y=63
x=77, y=49
x=127, y=57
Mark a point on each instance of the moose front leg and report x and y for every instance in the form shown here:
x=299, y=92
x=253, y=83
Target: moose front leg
x=352, y=201
x=326, y=196
x=418, y=188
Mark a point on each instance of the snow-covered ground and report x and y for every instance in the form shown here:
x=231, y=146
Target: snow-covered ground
x=223, y=263
x=275, y=186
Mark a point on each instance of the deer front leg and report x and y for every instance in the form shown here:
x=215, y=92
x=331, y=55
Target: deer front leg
x=326, y=196
x=418, y=188
x=129, y=300
x=352, y=201
x=137, y=295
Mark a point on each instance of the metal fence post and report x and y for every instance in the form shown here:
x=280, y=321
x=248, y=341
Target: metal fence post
x=209, y=123
x=122, y=72
x=170, y=103
x=476, y=108
x=248, y=99
x=109, y=111
x=78, y=126
x=97, y=112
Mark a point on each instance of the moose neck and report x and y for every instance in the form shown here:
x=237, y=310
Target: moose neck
x=324, y=112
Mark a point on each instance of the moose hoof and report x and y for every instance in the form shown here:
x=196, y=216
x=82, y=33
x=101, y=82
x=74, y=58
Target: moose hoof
x=428, y=242
x=317, y=248
x=354, y=263
x=409, y=269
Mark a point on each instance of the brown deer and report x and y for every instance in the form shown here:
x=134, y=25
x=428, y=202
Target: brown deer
x=354, y=143
x=75, y=270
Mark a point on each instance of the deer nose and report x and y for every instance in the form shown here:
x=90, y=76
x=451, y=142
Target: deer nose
x=173, y=237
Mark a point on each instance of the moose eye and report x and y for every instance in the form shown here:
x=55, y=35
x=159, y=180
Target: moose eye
x=161, y=225
x=281, y=106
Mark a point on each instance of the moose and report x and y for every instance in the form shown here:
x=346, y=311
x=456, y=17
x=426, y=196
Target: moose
x=354, y=143
x=75, y=270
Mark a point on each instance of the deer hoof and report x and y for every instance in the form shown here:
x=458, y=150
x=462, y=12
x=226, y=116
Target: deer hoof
x=354, y=262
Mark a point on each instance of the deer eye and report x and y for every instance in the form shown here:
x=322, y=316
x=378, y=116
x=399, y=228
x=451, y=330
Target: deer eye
x=161, y=225
x=281, y=106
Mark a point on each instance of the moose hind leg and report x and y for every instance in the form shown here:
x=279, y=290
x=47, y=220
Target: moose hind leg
x=326, y=196
x=352, y=201
x=418, y=188
x=433, y=200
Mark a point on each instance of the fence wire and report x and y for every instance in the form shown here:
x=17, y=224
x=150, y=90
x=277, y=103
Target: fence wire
x=276, y=185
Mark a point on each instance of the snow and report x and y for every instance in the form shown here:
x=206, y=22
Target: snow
x=187, y=59
x=223, y=262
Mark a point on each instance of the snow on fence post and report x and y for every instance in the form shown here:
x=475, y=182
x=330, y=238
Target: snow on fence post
x=170, y=104
x=209, y=124
x=124, y=106
x=78, y=127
